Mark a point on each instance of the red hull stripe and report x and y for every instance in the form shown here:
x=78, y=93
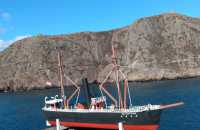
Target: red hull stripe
x=106, y=126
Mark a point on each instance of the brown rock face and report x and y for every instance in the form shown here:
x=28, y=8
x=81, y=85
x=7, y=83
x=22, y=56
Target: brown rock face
x=153, y=48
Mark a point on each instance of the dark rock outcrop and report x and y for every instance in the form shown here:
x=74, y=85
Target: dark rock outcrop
x=166, y=46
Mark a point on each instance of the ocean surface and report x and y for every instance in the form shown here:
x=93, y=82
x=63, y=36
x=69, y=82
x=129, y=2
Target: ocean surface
x=22, y=110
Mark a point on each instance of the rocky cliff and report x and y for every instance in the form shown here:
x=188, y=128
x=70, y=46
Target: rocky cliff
x=165, y=46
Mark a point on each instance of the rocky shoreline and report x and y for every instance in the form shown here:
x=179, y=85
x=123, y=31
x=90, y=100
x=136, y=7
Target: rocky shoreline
x=160, y=47
x=56, y=87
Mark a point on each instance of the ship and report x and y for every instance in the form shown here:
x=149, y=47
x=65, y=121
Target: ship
x=97, y=112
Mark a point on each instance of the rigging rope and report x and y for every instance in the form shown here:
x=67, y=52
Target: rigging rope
x=129, y=95
x=77, y=98
x=103, y=96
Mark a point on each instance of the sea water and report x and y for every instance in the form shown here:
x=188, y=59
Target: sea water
x=22, y=110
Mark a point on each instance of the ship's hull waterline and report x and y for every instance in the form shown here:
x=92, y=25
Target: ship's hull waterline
x=146, y=120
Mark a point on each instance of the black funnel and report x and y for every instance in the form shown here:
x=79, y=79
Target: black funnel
x=86, y=91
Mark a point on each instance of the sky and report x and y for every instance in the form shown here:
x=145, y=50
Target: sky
x=25, y=18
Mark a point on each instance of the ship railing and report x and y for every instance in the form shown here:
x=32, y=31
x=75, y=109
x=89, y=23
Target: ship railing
x=133, y=109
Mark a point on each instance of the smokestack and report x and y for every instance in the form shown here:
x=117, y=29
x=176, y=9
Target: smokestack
x=86, y=90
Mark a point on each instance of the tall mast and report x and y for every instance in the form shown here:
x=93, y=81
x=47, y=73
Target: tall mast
x=116, y=72
x=60, y=64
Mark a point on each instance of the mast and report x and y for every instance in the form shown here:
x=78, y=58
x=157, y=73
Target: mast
x=60, y=65
x=116, y=72
x=118, y=77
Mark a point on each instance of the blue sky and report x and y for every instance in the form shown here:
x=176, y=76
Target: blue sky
x=21, y=18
